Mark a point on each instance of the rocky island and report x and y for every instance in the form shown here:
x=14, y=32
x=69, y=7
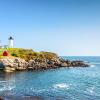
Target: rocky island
x=27, y=59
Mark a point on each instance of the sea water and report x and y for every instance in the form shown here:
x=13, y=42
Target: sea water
x=55, y=84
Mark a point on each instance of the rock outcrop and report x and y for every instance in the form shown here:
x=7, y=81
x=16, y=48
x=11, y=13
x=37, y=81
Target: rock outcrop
x=10, y=64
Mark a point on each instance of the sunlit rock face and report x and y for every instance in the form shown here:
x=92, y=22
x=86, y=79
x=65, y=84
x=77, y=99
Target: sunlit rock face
x=11, y=64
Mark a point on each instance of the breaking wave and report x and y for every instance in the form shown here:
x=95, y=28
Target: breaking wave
x=5, y=88
x=92, y=66
x=61, y=86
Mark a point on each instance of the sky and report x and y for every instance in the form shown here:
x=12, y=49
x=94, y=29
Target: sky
x=66, y=27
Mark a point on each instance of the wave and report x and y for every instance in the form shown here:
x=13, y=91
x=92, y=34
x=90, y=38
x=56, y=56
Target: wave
x=12, y=81
x=92, y=66
x=61, y=86
x=3, y=81
x=92, y=91
x=56, y=87
x=7, y=88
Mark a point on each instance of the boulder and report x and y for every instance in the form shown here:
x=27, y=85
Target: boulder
x=1, y=98
x=1, y=66
x=11, y=64
x=64, y=64
x=79, y=64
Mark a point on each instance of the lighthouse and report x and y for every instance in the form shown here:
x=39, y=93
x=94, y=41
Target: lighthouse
x=11, y=42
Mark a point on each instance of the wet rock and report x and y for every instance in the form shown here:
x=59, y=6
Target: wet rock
x=11, y=97
x=1, y=98
x=1, y=66
x=9, y=69
x=79, y=64
x=64, y=64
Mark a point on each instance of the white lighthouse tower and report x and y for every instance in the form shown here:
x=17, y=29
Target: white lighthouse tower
x=11, y=42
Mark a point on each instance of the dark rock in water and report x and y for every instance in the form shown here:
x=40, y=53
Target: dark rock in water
x=79, y=63
x=1, y=98
x=68, y=63
x=22, y=98
x=1, y=66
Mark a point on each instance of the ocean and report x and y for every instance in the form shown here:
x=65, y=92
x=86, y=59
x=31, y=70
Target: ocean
x=54, y=84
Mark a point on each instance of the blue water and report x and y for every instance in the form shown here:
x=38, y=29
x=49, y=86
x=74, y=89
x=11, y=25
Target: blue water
x=56, y=84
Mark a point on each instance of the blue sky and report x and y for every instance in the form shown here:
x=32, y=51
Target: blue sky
x=67, y=27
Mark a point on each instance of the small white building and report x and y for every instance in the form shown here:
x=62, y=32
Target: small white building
x=10, y=44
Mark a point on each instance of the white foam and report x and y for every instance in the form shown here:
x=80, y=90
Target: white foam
x=41, y=90
x=3, y=81
x=91, y=90
x=7, y=88
x=92, y=66
x=7, y=85
x=61, y=86
x=7, y=81
x=56, y=87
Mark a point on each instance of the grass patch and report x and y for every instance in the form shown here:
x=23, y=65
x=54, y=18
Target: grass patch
x=28, y=54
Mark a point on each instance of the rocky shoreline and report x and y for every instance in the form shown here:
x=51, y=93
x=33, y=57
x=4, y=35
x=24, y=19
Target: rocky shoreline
x=11, y=64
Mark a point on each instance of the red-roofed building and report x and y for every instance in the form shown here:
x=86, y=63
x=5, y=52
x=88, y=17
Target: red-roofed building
x=5, y=53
